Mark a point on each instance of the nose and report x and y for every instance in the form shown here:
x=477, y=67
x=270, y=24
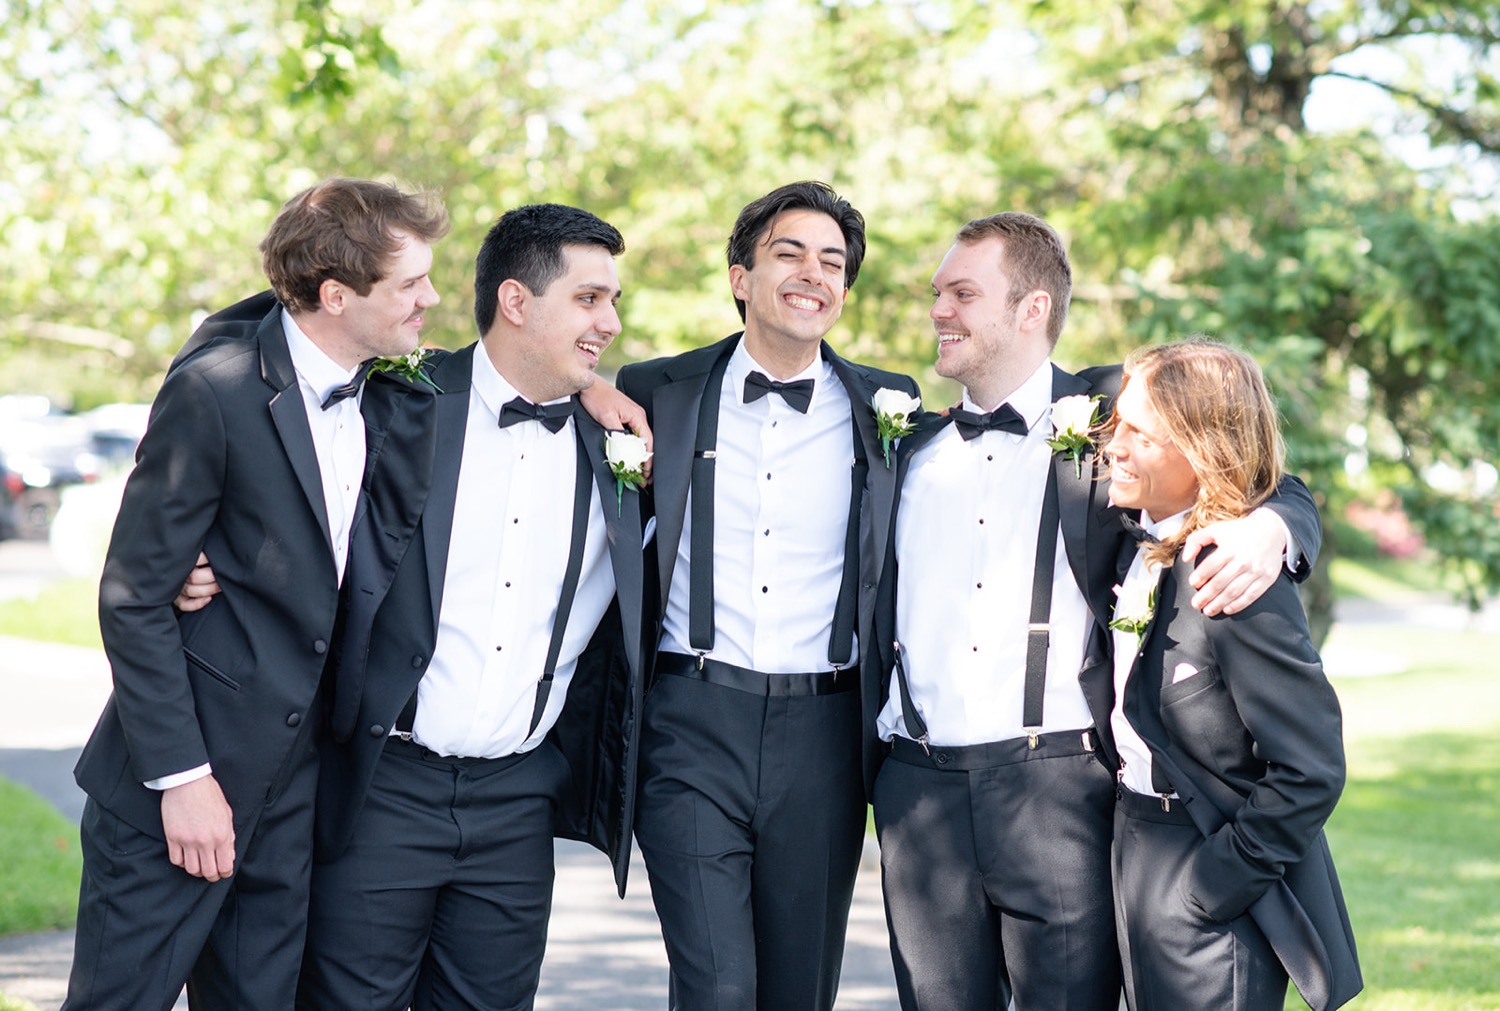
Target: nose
x=609, y=325
x=940, y=309
x=429, y=296
x=1114, y=446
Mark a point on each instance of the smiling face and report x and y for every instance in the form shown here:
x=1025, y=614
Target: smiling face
x=795, y=291
x=562, y=332
x=387, y=321
x=1146, y=469
x=986, y=341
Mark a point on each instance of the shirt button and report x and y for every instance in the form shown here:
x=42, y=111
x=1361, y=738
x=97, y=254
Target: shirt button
x=765, y=589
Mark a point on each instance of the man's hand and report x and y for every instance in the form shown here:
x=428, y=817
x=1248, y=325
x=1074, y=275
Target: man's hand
x=1251, y=554
x=199, y=588
x=199, y=828
x=616, y=412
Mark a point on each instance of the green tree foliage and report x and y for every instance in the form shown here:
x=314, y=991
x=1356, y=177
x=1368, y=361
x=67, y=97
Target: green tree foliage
x=145, y=144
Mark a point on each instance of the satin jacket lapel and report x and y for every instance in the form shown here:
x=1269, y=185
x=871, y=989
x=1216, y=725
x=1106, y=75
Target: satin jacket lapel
x=1077, y=491
x=882, y=479
x=289, y=414
x=454, y=375
x=675, y=420
x=622, y=522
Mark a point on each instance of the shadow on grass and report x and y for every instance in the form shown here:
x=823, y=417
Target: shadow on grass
x=1417, y=843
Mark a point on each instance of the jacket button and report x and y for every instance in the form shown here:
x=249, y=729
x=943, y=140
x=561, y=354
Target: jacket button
x=294, y=720
x=320, y=647
x=377, y=730
x=417, y=662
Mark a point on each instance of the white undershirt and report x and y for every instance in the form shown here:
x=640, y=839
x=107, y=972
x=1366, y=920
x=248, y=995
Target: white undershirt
x=512, y=527
x=1135, y=757
x=781, y=510
x=966, y=532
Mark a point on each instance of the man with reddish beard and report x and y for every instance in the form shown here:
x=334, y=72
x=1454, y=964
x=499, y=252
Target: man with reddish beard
x=992, y=768
x=202, y=771
x=769, y=477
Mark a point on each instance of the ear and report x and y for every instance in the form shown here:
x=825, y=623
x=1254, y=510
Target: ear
x=1035, y=310
x=333, y=296
x=514, y=297
x=737, y=272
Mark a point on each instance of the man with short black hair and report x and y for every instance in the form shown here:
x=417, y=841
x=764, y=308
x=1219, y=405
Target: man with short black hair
x=488, y=679
x=769, y=478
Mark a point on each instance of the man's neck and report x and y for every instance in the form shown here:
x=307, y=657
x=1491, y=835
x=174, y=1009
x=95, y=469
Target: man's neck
x=781, y=358
x=324, y=332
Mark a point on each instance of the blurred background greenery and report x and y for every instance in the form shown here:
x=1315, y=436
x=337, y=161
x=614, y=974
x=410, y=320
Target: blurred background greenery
x=1313, y=180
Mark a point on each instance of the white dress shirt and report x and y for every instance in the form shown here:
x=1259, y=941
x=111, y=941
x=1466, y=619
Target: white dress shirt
x=512, y=528
x=966, y=534
x=781, y=511
x=1135, y=757
x=338, y=433
x=338, y=437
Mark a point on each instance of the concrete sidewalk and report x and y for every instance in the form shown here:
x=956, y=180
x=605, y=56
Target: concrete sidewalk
x=603, y=954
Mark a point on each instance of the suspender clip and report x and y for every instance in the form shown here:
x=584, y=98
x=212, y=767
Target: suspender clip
x=1088, y=741
x=1032, y=734
x=1166, y=802
x=405, y=735
x=923, y=742
x=701, y=654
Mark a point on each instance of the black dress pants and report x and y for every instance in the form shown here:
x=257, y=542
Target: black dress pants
x=751, y=821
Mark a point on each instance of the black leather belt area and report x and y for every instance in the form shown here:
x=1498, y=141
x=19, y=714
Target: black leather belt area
x=741, y=679
x=968, y=757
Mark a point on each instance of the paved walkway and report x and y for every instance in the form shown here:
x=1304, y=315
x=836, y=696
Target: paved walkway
x=603, y=954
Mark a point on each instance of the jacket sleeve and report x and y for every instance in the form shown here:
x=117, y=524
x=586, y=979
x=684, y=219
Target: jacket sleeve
x=169, y=503
x=1294, y=504
x=1276, y=683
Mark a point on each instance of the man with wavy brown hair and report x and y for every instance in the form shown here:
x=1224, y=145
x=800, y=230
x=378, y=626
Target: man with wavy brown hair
x=197, y=832
x=1228, y=733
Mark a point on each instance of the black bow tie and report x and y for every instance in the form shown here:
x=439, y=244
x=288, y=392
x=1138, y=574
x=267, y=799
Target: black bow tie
x=798, y=395
x=346, y=391
x=554, y=416
x=1137, y=532
x=1004, y=418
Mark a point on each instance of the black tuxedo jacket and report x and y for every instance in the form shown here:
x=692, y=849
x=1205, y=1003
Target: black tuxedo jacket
x=227, y=466
x=671, y=389
x=1253, y=744
x=392, y=597
x=1096, y=546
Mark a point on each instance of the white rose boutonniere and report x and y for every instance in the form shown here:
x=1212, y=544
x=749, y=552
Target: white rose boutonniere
x=893, y=414
x=626, y=455
x=1072, y=420
x=407, y=366
x=1134, y=607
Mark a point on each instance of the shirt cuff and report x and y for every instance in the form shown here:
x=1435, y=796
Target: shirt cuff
x=1293, y=553
x=179, y=778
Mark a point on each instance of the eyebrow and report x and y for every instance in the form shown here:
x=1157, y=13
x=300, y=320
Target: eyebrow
x=835, y=250
x=603, y=289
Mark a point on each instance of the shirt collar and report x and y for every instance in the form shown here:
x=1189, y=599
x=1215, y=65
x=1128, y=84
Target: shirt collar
x=1162, y=529
x=495, y=391
x=314, y=367
x=1031, y=400
x=742, y=363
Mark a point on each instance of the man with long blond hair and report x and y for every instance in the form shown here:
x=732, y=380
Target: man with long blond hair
x=1229, y=735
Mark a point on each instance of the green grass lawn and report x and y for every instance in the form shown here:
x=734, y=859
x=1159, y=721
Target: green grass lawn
x=39, y=876
x=67, y=611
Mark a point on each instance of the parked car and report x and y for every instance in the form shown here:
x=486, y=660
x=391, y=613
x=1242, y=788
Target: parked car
x=11, y=487
x=45, y=451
